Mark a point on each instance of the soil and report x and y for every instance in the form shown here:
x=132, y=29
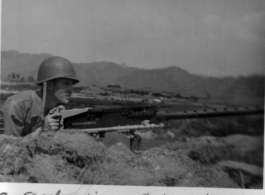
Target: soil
x=77, y=158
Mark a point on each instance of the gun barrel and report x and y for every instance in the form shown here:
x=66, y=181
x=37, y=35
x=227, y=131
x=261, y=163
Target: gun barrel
x=206, y=113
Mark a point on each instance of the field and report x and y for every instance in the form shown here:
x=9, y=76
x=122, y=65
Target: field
x=223, y=152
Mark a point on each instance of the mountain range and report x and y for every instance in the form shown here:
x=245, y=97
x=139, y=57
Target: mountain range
x=237, y=90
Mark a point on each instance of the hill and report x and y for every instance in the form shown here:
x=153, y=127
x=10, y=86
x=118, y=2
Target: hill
x=239, y=90
x=24, y=64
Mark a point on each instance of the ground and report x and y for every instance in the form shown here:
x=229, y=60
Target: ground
x=77, y=158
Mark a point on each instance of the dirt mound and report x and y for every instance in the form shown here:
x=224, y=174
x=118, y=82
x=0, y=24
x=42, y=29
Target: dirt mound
x=13, y=157
x=77, y=158
x=69, y=158
x=209, y=150
x=174, y=168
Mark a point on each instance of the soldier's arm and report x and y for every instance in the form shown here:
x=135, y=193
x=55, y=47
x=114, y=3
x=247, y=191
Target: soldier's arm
x=51, y=123
x=13, y=120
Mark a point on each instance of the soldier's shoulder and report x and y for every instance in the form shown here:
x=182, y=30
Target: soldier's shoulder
x=21, y=97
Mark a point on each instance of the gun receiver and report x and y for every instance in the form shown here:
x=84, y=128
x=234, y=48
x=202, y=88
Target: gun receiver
x=108, y=117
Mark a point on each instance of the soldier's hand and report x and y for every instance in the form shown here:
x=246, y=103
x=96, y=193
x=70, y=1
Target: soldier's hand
x=52, y=121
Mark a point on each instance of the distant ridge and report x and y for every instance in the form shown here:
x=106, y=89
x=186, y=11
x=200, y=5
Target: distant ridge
x=239, y=90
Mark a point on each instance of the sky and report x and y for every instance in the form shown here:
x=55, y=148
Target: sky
x=206, y=37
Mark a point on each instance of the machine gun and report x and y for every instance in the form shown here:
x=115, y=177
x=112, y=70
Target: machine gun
x=127, y=120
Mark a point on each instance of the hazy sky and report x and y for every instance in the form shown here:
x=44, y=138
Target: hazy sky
x=209, y=37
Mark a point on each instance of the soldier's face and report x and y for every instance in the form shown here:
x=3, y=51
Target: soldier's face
x=62, y=90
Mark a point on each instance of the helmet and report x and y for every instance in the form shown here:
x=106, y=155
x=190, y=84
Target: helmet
x=56, y=67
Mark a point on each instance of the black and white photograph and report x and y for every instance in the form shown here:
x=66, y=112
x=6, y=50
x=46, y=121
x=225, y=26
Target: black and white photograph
x=142, y=97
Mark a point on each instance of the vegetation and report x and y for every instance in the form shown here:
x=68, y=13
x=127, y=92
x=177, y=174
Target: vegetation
x=20, y=87
x=16, y=77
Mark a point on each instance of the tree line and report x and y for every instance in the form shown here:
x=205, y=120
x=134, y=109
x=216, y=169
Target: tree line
x=16, y=77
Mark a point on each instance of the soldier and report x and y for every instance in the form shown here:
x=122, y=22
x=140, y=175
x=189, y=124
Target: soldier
x=33, y=111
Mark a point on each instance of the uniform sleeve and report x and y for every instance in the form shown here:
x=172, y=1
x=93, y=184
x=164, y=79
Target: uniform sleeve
x=13, y=120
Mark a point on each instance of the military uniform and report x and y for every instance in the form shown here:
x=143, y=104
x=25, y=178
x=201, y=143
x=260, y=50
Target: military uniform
x=23, y=113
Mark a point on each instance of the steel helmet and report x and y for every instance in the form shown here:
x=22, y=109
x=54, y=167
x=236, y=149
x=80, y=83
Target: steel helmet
x=56, y=67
